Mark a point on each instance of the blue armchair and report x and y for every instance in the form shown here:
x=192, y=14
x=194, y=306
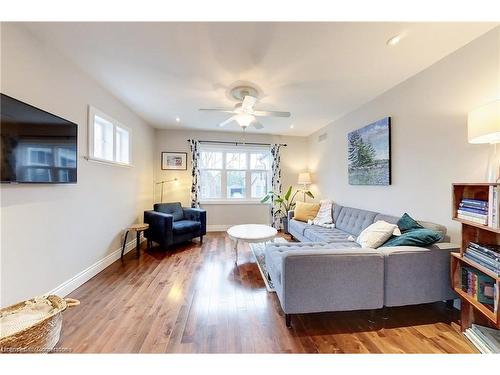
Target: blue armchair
x=170, y=224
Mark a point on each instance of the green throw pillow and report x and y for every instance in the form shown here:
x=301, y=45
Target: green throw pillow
x=417, y=237
x=407, y=223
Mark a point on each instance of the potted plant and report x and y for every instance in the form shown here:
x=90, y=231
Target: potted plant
x=285, y=203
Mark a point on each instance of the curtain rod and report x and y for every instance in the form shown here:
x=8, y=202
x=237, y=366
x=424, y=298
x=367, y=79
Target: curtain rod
x=240, y=143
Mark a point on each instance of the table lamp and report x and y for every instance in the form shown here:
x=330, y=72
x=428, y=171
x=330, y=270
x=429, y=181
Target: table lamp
x=483, y=126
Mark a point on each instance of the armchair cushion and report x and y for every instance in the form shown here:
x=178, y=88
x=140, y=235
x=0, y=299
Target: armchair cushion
x=174, y=209
x=186, y=226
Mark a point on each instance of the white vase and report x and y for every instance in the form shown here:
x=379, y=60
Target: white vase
x=493, y=164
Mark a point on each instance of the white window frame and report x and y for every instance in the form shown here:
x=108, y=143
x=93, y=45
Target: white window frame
x=248, y=173
x=92, y=112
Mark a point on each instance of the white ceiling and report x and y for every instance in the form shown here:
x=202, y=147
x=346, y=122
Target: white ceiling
x=317, y=71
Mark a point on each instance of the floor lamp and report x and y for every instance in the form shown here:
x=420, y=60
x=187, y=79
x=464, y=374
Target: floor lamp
x=163, y=183
x=304, y=180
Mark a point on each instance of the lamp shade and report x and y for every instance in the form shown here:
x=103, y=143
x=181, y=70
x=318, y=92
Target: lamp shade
x=304, y=178
x=483, y=124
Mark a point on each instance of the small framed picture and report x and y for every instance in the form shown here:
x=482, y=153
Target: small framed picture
x=174, y=160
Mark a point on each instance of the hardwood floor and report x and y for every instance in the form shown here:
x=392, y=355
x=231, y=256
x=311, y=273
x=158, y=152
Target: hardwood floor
x=195, y=300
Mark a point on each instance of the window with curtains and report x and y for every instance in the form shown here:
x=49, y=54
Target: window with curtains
x=234, y=173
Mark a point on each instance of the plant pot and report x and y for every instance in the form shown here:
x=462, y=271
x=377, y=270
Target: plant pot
x=284, y=222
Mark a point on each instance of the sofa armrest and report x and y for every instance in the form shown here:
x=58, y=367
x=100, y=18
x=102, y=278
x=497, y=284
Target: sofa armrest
x=160, y=227
x=197, y=214
x=415, y=275
x=290, y=214
x=323, y=279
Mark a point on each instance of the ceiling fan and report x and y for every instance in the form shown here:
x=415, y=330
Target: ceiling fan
x=243, y=112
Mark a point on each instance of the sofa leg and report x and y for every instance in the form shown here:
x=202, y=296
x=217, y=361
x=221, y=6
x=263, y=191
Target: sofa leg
x=288, y=320
x=373, y=317
x=201, y=240
x=449, y=304
x=385, y=313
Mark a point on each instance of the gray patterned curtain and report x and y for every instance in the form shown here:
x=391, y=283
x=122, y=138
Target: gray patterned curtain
x=195, y=173
x=275, y=183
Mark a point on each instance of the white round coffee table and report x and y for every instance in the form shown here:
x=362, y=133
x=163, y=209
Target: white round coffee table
x=250, y=233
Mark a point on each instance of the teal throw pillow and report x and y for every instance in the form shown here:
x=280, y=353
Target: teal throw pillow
x=417, y=237
x=407, y=223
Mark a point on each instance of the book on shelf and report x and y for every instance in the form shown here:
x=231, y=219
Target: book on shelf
x=480, y=287
x=491, y=250
x=476, y=341
x=473, y=214
x=473, y=210
x=493, y=220
x=490, y=267
x=494, y=262
x=475, y=202
x=473, y=219
x=488, y=337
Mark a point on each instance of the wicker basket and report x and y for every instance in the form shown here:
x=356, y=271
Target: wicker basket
x=41, y=336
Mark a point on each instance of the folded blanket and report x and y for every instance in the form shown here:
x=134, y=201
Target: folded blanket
x=324, y=216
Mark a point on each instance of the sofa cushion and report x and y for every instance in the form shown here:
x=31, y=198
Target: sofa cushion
x=316, y=233
x=306, y=211
x=433, y=226
x=186, y=226
x=298, y=227
x=426, y=224
x=407, y=223
x=417, y=237
x=174, y=209
x=354, y=220
x=376, y=234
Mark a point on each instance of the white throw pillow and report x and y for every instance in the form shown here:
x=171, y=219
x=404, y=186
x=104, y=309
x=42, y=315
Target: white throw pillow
x=376, y=234
x=324, y=215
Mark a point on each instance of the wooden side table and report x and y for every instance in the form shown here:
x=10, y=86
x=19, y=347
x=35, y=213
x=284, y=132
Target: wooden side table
x=138, y=228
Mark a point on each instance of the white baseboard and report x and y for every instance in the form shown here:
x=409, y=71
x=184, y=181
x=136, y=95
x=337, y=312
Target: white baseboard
x=218, y=228
x=70, y=285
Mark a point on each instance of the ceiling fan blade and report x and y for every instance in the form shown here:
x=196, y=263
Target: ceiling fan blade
x=248, y=102
x=257, y=125
x=225, y=110
x=225, y=122
x=271, y=113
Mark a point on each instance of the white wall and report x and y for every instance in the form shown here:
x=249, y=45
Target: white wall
x=52, y=232
x=429, y=137
x=293, y=161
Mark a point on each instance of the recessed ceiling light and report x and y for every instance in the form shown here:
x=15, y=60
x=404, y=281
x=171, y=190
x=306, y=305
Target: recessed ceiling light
x=394, y=40
x=291, y=126
x=177, y=119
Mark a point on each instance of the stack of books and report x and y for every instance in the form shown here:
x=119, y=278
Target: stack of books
x=486, y=340
x=487, y=256
x=480, y=287
x=474, y=210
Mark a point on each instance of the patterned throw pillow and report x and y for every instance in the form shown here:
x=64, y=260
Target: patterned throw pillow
x=324, y=216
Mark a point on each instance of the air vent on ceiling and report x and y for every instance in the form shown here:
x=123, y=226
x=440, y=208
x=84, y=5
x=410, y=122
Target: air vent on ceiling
x=322, y=137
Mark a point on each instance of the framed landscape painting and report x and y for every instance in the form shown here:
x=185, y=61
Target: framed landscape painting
x=369, y=154
x=173, y=160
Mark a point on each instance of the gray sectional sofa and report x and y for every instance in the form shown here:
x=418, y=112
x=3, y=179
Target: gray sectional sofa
x=327, y=271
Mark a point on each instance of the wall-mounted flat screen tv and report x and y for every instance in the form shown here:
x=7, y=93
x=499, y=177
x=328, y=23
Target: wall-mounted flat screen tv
x=36, y=146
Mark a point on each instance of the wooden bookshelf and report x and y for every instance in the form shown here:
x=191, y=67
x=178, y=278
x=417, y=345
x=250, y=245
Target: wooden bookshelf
x=473, y=311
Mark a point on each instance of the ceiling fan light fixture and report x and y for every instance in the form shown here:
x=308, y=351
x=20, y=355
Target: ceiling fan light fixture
x=244, y=119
